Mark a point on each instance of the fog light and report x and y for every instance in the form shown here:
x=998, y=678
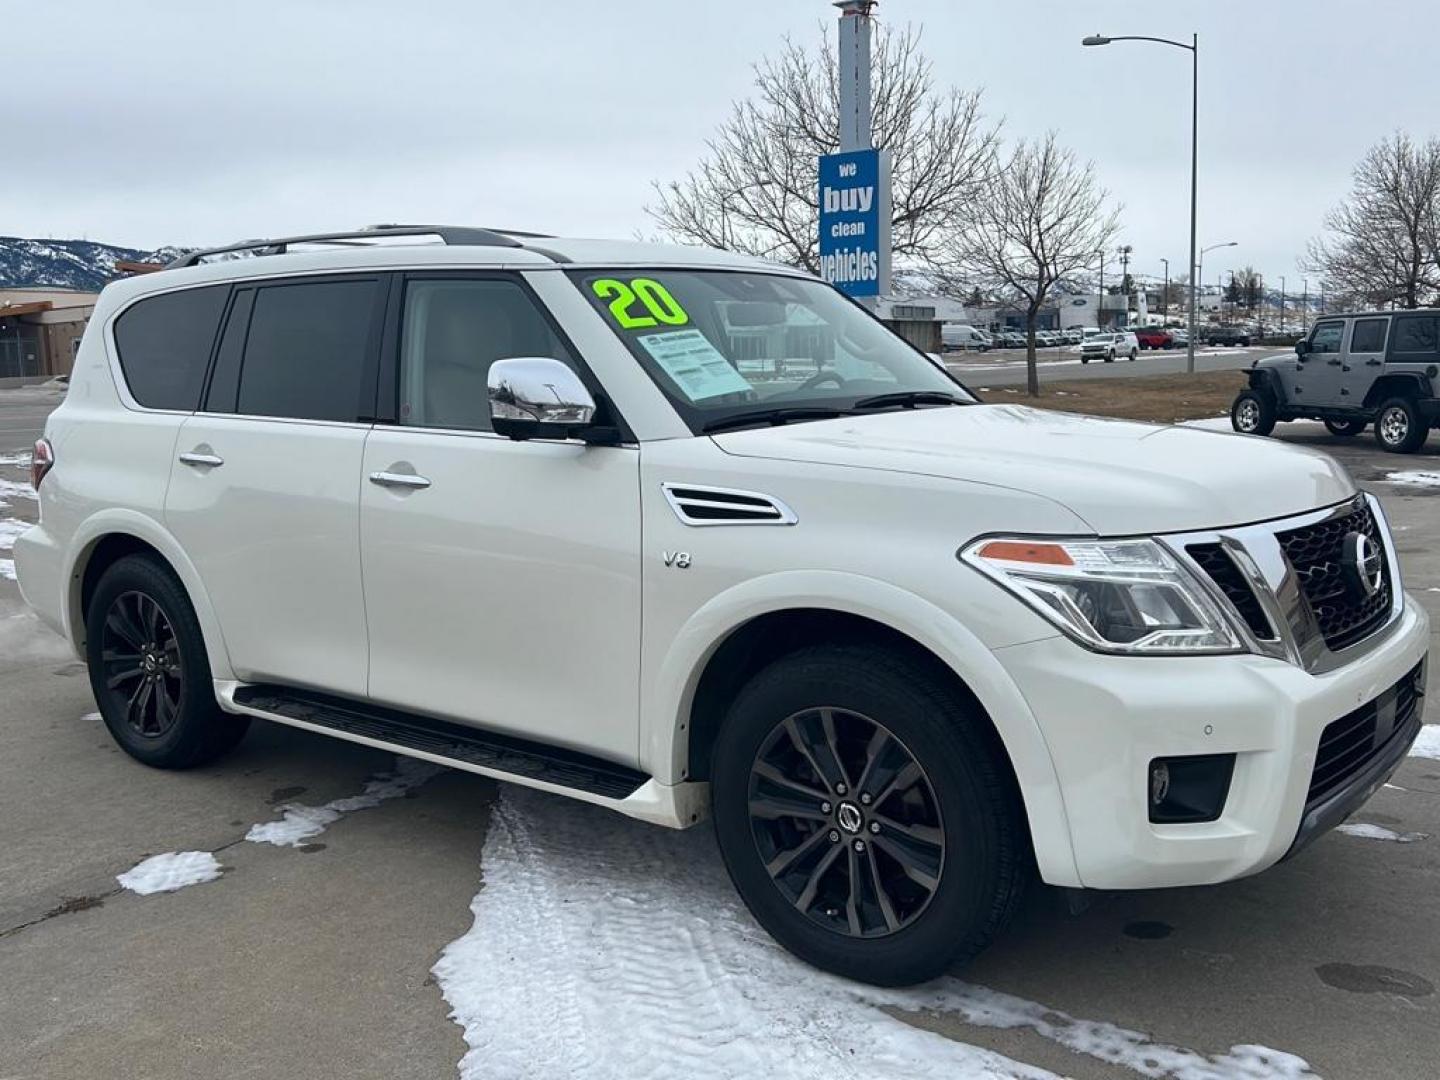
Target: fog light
x=1189, y=789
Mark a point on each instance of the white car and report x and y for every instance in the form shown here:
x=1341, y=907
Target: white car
x=1109, y=346
x=682, y=534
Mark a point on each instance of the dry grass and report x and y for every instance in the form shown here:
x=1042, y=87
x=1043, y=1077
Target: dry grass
x=1159, y=398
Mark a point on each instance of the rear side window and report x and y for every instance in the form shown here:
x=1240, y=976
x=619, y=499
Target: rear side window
x=164, y=344
x=1414, y=334
x=1368, y=336
x=306, y=349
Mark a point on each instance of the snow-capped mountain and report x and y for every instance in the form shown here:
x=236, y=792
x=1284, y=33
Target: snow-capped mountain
x=85, y=265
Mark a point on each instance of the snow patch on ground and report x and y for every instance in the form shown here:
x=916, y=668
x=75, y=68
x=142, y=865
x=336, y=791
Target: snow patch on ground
x=607, y=948
x=7, y=570
x=11, y=489
x=22, y=635
x=299, y=823
x=1427, y=743
x=21, y=460
x=1414, y=477
x=11, y=530
x=1377, y=832
x=171, y=871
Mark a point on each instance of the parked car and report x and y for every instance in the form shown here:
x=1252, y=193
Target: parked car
x=960, y=337
x=1228, y=335
x=1012, y=339
x=1154, y=337
x=1109, y=346
x=1074, y=335
x=1180, y=336
x=1352, y=371
x=517, y=507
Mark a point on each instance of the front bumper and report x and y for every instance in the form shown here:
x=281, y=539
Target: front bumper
x=1105, y=718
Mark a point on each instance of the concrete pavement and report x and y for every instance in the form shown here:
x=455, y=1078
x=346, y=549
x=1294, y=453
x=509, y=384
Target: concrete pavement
x=314, y=961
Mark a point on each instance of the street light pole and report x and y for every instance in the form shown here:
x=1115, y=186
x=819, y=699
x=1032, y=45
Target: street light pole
x=1194, y=47
x=1165, y=295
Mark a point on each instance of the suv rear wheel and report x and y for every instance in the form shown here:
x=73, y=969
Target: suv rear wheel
x=1253, y=413
x=149, y=670
x=866, y=816
x=1399, y=427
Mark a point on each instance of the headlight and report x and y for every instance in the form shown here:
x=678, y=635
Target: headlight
x=1120, y=596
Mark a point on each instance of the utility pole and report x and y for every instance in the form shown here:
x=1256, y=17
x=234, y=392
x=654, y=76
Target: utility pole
x=1100, y=311
x=854, y=60
x=1282, y=303
x=1260, y=304
x=1304, y=304
x=1165, y=295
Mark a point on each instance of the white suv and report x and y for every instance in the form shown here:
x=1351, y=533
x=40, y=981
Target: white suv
x=680, y=533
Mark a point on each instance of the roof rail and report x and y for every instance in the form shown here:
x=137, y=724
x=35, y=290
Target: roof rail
x=448, y=234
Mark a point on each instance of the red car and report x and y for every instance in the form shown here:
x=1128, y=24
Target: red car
x=1152, y=337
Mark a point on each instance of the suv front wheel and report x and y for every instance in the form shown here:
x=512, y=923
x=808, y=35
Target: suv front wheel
x=866, y=814
x=1253, y=413
x=149, y=669
x=1399, y=427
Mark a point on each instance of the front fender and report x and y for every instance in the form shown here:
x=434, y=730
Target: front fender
x=671, y=687
x=119, y=520
x=1267, y=381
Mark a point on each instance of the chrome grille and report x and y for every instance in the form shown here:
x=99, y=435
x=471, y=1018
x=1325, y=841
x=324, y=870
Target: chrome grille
x=1315, y=553
x=1216, y=561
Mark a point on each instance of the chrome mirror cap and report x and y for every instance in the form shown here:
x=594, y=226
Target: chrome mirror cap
x=535, y=390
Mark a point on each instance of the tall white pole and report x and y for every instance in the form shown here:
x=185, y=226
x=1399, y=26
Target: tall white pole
x=854, y=74
x=1194, y=188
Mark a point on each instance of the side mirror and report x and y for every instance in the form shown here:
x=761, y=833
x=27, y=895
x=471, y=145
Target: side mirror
x=1302, y=347
x=537, y=397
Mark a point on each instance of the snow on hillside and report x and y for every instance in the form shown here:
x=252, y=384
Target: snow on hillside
x=85, y=265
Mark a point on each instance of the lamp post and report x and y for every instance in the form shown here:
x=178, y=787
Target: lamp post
x=1165, y=294
x=1100, y=310
x=1197, y=270
x=1194, y=49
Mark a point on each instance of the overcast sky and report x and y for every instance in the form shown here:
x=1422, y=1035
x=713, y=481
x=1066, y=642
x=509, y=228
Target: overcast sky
x=157, y=122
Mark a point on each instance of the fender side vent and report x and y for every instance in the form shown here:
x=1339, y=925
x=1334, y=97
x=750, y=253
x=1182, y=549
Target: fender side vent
x=725, y=506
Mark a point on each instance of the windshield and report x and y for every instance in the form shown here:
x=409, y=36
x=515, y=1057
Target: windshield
x=725, y=346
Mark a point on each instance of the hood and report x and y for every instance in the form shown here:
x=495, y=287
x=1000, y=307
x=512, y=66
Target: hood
x=1120, y=477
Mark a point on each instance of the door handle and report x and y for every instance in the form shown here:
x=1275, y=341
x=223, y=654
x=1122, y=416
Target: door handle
x=1372, y=363
x=195, y=457
x=399, y=480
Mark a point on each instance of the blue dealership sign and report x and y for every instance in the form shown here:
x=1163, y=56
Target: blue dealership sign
x=855, y=221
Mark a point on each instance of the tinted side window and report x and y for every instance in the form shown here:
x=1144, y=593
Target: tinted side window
x=1368, y=335
x=453, y=330
x=1414, y=334
x=305, y=352
x=1327, y=337
x=164, y=344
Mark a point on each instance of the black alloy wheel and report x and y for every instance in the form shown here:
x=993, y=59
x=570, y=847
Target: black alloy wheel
x=846, y=822
x=149, y=669
x=141, y=664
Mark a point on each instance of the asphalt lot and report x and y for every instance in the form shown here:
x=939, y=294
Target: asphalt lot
x=566, y=941
x=1006, y=367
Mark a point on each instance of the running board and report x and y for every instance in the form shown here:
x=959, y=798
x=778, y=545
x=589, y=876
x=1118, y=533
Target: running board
x=464, y=747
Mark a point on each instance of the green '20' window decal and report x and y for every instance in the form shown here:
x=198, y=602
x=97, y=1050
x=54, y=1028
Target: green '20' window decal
x=657, y=305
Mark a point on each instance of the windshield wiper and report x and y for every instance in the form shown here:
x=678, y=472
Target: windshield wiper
x=769, y=416
x=907, y=399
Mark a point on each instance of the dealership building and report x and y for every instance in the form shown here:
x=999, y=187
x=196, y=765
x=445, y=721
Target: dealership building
x=40, y=331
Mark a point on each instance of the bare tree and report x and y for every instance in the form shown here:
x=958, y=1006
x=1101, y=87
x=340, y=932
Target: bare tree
x=1042, y=218
x=1381, y=245
x=755, y=190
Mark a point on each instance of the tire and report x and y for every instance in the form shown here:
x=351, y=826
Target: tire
x=1253, y=413
x=1132, y=356
x=1399, y=427
x=962, y=794
x=1110, y=357
x=1345, y=428
x=140, y=605
x=1084, y=359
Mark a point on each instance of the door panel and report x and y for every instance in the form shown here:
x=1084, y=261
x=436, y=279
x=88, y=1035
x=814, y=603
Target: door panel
x=1317, y=376
x=273, y=530
x=1364, y=356
x=502, y=583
